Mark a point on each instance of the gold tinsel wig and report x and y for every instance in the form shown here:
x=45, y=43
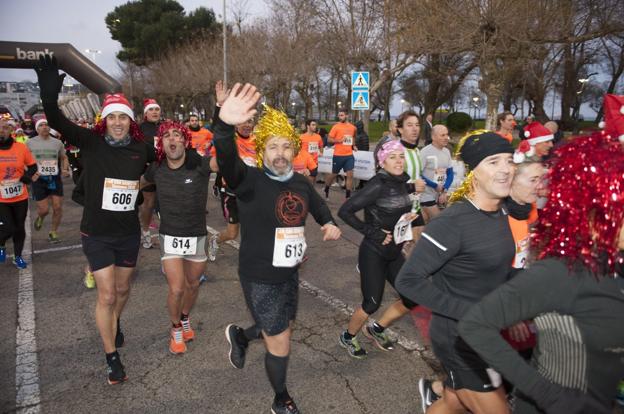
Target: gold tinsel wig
x=274, y=123
x=465, y=189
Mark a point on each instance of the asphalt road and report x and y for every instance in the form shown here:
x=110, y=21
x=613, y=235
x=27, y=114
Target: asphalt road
x=61, y=367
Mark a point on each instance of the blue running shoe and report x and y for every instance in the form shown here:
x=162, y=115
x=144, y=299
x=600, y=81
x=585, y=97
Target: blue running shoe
x=20, y=263
x=2, y=254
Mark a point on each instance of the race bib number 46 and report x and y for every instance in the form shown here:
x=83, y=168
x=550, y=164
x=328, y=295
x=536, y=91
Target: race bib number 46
x=119, y=195
x=347, y=140
x=185, y=246
x=47, y=167
x=403, y=230
x=290, y=246
x=10, y=189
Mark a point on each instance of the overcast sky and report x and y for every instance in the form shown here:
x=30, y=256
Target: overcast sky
x=81, y=23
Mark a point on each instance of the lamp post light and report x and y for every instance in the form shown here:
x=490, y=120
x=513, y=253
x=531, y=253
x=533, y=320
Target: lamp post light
x=93, y=53
x=475, y=102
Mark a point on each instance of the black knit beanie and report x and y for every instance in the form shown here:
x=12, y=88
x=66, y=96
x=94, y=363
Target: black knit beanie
x=480, y=146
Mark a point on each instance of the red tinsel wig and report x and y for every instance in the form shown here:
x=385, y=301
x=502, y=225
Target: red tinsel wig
x=166, y=126
x=135, y=131
x=585, y=209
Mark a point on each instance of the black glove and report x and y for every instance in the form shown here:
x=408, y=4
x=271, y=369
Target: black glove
x=572, y=401
x=50, y=82
x=25, y=179
x=193, y=159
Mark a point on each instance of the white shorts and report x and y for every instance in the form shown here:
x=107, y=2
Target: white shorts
x=199, y=256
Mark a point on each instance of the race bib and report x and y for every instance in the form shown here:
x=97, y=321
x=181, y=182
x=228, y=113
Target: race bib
x=47, y=167
x=403, y=230
x=440, y=175
x=313, y=147
x=522, y=253
x=347, y=140
x=290, y=246
x=10, y=189
x=119, y=195
x=185, y=246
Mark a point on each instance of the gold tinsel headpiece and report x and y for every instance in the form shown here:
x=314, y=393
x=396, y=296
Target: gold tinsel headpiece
x=465, y=189
x=274, y=123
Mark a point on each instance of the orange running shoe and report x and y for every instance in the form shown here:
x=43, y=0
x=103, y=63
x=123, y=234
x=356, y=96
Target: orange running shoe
x=176, y=342
x=187, y=332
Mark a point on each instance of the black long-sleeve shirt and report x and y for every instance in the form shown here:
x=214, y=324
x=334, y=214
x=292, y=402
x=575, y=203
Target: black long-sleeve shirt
x=264, y=204
x=580, y=322
x=384, y=200
x=462, y=255
x=102, y=161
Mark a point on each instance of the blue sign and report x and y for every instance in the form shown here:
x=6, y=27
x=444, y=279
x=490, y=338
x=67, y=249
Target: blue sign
x=360, y=100
x=359, y=80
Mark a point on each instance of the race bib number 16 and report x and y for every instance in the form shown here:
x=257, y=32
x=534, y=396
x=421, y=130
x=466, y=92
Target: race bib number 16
x=290, y=246
x=403, y=230
x=119, y=195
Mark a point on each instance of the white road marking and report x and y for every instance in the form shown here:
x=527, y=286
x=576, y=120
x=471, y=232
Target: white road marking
x=338, y=304
x=27, y=396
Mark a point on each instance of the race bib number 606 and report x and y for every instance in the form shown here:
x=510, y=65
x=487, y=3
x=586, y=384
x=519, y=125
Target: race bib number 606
x=290, y=246
x=119, y=195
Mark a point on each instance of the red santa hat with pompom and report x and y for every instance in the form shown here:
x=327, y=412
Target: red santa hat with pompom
x=116, y=102
x=614, y=116
x=149, y=103
x=535, y=133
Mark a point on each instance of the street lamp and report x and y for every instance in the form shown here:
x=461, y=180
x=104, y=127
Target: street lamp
x=93, y=52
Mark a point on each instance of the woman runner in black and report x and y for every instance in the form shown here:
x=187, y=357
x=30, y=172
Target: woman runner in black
x=273, y=203
x=463, y=254
x=115, y=157
x=388, y=216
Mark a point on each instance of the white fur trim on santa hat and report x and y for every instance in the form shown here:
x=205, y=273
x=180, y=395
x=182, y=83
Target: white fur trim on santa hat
x=537, y=140
x=150, y=106
x=39, y=122
x=117, y=107
x=622, y=109
x=621, y=138
x=602, y=124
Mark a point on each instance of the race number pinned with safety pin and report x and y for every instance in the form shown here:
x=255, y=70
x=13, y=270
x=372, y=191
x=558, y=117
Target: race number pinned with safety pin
x=290, y=246
x=119, y=195
x=403, y=229
x=183, y=246
x=11, y=188
x=47, y=167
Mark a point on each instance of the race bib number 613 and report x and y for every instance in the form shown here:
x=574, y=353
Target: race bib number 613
x=290, y=246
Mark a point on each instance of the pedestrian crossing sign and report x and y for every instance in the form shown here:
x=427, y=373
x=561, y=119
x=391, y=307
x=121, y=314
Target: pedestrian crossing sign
x=360, y=100
x=359, y=80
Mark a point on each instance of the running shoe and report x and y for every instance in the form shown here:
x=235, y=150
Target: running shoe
x=427, y=395
x=89, y=280
x=119, y=336
x=176, y=342
x=326, y=190
x=213, y=247
x=187, y=332
x=286, y=407
x=352, y=346
x=380, y=339
x=2, y=254
x=19, y=262
x=116, y=371
x=202, y=279
x=146, y=239
x=237, y=351
x=53, y=237
x=620, y=393
x=38, y=223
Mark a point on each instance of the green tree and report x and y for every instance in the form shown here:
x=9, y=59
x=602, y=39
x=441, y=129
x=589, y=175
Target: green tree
x=148, y=28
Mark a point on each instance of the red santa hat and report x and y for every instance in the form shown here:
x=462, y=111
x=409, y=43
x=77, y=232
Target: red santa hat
x=116, y=102
x=149, y=103
x=39, y=122
x=535, y=133
x=614, y=116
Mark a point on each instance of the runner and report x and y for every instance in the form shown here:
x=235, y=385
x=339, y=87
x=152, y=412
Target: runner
x=505, y=124
x=181, y=179
x=149, y=128
x=388, y=215
x=115, y=157
x=463, y=254
x=437, y=172
x=20, y=136
x=201, y=137
x=17, y=166
x=312, y=143
x=274, y=203
x=342, y=135
x=47, y=186
x=574, y=291
x=304, y=164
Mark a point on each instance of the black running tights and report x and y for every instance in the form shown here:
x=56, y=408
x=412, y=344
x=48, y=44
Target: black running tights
x=12, y=221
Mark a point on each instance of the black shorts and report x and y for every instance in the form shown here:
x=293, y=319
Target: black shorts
x=477, y=380
x=418, y=221
x=229, y=207
x=42, y=189
x=103, y=251
x=314, y=172
x=428, y=203
x=272, y=306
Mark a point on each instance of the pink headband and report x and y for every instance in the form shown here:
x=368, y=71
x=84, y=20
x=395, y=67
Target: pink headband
x=387, y=148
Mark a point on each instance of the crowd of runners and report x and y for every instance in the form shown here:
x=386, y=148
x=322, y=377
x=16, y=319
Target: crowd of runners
x=515, y=247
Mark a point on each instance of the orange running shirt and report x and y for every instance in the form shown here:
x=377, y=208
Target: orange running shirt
x=508, y=137
x=13, y=163
x=522, y=239
x=341, y=132
x=200, y=140
x=312, y=144
x=246, y=150
x=304, y=160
